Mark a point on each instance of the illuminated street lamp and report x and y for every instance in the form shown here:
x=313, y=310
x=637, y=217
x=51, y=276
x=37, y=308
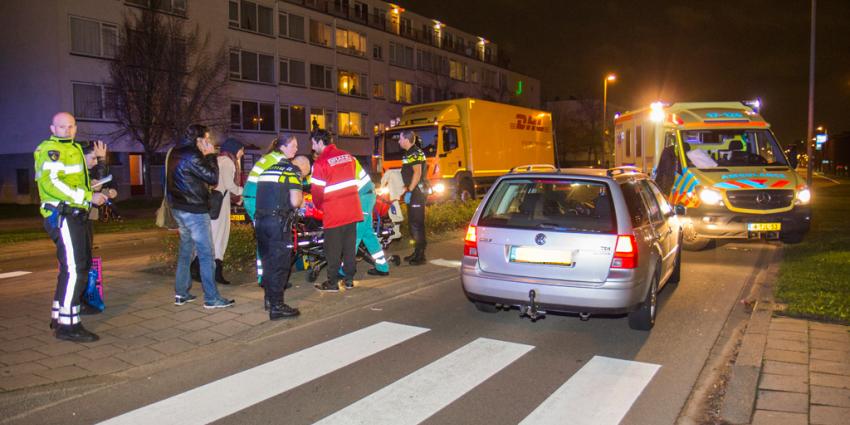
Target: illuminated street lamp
x=608, y=78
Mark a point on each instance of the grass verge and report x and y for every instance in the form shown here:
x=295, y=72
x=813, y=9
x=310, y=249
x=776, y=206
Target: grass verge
x=35, y=231
x=814, y=279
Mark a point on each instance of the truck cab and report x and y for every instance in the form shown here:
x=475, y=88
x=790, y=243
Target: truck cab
x=722, y=162
x=469, y=143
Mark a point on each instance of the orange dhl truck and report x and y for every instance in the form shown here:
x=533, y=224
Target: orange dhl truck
x=468, y=143
x=722, y=162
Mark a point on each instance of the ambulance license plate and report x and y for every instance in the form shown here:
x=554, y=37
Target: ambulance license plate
x=764, y=227
x=237, y=217
x=522, y=254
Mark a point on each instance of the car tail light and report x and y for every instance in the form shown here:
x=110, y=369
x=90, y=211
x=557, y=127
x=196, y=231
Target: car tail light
x=625, y=253
x=470, y=242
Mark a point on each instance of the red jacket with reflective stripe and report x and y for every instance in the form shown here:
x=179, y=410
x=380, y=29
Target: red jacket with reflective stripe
x=334, y=188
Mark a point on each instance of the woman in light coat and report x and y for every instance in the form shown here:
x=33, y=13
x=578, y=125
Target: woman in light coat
x=230, y=183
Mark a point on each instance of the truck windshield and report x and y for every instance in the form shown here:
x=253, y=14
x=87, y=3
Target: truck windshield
x=731, y=148
x=426, y=138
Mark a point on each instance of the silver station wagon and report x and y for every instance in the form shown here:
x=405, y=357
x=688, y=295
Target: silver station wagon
x=582, y=241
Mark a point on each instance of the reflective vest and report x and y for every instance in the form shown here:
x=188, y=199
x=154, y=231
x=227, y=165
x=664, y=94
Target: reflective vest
x=334, y=187
x=61, y=174
x=249, y=193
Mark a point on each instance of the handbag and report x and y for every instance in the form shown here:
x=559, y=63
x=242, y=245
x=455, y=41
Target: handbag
x=93, y=294
x=164, y=216
x=216, y=201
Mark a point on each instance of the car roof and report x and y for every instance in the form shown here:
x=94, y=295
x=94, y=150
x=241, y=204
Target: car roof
x=594, y=173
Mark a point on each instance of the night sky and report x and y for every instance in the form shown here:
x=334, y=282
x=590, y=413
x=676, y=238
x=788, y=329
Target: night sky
x=672, y=51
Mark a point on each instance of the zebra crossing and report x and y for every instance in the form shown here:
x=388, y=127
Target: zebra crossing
x=601, y=392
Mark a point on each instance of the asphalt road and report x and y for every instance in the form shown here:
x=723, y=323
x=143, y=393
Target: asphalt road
x=504, y=369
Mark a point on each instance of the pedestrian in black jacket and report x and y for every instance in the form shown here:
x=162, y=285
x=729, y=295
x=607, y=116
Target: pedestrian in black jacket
x=190, y=171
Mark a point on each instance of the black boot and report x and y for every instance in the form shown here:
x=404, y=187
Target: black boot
x=418, y=258
x=279, y=310
x=195, y=269
x=75, y=333
x=411, y=256
x=219, y=277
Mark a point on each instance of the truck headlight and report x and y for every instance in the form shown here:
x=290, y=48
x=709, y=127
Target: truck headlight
x=804, y=195
x=439, y=188
x=711, y=196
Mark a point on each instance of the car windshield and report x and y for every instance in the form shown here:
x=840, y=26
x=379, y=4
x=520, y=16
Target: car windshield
x=731, y=147
x=426, y=138
x=550, y=204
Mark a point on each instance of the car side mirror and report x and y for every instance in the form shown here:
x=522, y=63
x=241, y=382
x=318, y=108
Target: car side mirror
x=679, y=210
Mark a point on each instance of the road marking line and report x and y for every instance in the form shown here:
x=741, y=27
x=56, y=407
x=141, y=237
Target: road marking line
x=446, y=263
x=600, y=393
x=424, y=392
x=229, y=395
x=13, y=274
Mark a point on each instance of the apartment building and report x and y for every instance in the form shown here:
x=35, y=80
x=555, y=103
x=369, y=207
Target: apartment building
x=345, y=65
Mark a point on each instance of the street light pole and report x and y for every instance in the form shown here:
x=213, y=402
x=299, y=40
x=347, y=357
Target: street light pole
x=809, y=130
x=611, y=78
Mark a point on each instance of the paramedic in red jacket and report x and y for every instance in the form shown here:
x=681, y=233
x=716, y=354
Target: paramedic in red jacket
x=334, y=190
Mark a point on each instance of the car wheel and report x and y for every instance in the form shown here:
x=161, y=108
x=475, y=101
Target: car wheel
x=691, y=241
x=643, y=319
x=466, y=190
x=485, y=307
x=677, y=268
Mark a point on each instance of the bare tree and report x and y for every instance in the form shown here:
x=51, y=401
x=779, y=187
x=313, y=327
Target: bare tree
x=578, y=126
x=164, y=78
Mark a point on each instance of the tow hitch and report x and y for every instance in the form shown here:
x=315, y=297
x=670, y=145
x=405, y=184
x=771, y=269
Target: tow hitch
x=531, y=309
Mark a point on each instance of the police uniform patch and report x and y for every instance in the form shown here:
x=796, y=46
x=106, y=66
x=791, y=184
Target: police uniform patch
x=54, y=155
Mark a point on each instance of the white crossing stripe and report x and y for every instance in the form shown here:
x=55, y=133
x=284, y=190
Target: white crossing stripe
x=229, y=395
x=600, y=393
x=419, y=395
x=13, y=274
x=446, y=263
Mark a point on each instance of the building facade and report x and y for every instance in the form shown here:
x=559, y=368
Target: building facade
x=345, y=65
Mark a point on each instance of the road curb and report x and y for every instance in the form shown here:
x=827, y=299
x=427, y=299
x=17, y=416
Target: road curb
x=740, y=397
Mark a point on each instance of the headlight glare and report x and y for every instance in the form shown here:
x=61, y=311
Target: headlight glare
x=711, y=196
x=804, y=196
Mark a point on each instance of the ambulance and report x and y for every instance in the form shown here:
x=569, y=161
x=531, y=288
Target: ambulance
x=468, y=143
x=723, y=163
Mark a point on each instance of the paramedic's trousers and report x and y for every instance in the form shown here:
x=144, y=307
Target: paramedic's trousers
x=340, y=248
x=366, y=233
x=72, y=235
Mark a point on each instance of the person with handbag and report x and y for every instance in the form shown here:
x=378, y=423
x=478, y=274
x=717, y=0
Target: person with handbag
x=229, y=184
x=191, y=168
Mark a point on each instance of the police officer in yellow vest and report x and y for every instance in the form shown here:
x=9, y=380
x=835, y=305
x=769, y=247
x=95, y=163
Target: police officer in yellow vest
x=66, y=197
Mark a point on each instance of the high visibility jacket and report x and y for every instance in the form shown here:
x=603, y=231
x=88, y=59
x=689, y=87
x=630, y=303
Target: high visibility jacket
x=364, y=182
x=249, y=192
x=334, y=187
x=61, y=174
x=274, y=185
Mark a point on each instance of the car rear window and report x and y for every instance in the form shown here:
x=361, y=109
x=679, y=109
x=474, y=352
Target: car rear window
x=550, y=203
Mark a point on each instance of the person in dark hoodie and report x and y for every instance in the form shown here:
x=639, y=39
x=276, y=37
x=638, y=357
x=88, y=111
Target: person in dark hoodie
x=190, y=171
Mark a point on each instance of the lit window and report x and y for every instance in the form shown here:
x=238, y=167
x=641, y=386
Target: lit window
x=350, y=124
x=320, y=33
x=350, y=42
x=403, y=92
x=321, y=118
x=378, y=90
x=352, y=83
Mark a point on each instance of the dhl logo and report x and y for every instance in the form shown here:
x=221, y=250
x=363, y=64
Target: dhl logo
x=527, y=122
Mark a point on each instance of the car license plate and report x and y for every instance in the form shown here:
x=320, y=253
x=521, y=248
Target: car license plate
x=522, y=254
x=764, y=227
x=237, y=217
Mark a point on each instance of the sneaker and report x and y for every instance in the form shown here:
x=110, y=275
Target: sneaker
x=349, y=284
x=219, y=303
x=75, y=333
x=327, y=286
x=178, y=300
x=375, y=272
